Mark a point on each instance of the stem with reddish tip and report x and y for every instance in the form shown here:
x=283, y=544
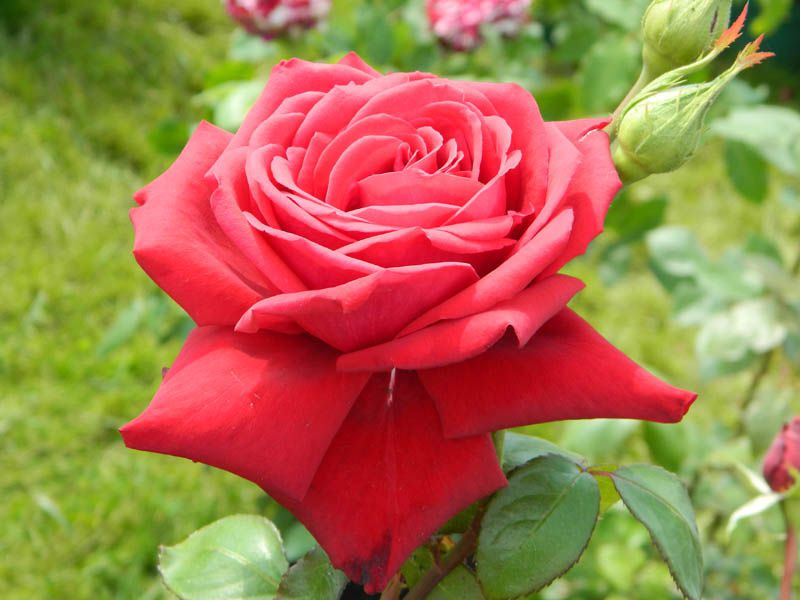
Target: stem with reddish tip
x=790, y=556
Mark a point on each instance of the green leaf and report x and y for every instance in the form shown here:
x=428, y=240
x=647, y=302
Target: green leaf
x=417, y=565
x=297, y=541
x=459, y=584
x=772, y=131
x=519, y=449
x=668, y=443
x=675, y=254
x=238, y=557
x=600, y=88
x=625, y=13
x=312, y=578
x=747, y=171
x=660, y=501
x=598, y=439
x=632, y=220
x=535, y=529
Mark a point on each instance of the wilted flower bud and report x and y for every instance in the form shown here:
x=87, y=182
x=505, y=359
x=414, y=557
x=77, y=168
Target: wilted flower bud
x=661, y=127
x=783, y=455
x=678, y=32
x=458, y=23
x=270, y=18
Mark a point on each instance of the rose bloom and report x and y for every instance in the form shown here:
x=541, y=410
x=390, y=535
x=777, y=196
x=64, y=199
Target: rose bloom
x=269, y=18
x=373, y=263
x=458, y=23
x=783, y=455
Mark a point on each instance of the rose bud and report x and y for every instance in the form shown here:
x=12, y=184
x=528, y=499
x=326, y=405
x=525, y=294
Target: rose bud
x=783, y=457
x=661, y=128
x=271, y=18
x=374, y=266
x=458, y=23
x=678, y=32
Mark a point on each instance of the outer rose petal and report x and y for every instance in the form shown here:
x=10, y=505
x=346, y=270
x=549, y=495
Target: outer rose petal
x=264, y=406
x=181, y=246
x=567, y=371
x=577, y=129
x=364, y=311
x=351, y=59
x=450, y=342
x=507, y=280
x=590, y=194
x=390, y=480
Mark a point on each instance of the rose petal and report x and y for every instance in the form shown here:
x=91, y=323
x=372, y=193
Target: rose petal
x=566, y=371
x=404, y=188
x=577, y=129
x=264, y=406
x=417, y=246
x=589, y=194
x=366, y=311
x=351, y=59
x=428, y=214
x=390, y=480
x=450, y=342
x=519, y=110
x=179, y=244
x=229, y=200
x=289, y=78
x=507, y=280
x=315, y=265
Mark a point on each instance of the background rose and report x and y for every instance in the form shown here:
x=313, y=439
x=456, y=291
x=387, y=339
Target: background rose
x=386, y=222
x=458, y=23
x=269, y=18
x=783, y=457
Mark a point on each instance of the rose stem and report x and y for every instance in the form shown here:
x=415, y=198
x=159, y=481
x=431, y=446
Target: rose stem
x=790, y=557
x=464, y=547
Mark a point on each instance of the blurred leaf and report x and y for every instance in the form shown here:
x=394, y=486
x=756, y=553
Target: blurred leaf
x=770, y=409
x=598, y=439
x=230, y=102
x=756, y=506
x=747, y=171
x=757, y=244
x=124, y=327
x=668, y=444
x=536, y=528
x=620, y=565
x=625, y=13
x=726, y=341
x=675, y=254
x=170, y=136
x=239, y=557
x=520, y=449
x=602, y=88
x=772, y=14
x=312, y=578
x=252, y=48
x=754, y=480
x=615, y=262
x=632, y=220
x=660, y=501
x=772, y=131
x=459, y=584
x=297, y=541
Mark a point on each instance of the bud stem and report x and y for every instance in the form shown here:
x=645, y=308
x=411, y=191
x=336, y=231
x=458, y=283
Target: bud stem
x=644, y=79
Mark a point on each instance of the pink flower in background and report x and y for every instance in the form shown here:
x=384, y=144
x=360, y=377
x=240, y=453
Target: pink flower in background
x=270, y=18
x=457, y=23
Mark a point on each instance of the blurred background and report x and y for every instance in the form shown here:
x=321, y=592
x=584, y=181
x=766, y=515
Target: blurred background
x=695, y=277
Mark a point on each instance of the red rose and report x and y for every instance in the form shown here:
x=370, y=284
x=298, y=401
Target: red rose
x=783, y=454
x=372, y=262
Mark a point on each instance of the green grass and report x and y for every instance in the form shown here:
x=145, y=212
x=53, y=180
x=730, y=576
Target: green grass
x=82, y=86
